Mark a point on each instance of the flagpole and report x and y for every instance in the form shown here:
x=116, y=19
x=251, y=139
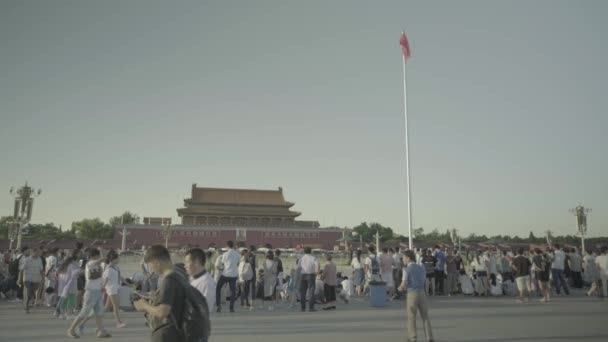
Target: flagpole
x=407, y=159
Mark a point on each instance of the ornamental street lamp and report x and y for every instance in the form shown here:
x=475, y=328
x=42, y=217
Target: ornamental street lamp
x=581, y=219
x=24, y=203
x=167, y=232
x=360, y=239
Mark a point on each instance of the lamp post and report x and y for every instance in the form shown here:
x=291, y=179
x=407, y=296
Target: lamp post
x=167, y=232
x=581, y=219
x=455, y=238
x=24, y=203
x=355, y=234
x=548, y=237
x=124, y=233
x=13, y=230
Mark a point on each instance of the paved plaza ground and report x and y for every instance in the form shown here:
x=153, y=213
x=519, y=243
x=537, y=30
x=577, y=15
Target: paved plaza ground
x=455, y=319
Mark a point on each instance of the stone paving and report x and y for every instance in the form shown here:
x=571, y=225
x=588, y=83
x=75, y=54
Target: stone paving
x=455, y=319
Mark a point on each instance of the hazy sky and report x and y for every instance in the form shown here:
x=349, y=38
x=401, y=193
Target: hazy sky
x=122, y=105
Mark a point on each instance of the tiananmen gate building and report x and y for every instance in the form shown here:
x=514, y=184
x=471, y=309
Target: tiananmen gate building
x=212, y=216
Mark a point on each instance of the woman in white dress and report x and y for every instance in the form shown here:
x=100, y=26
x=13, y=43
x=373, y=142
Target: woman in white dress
x=479, y=265
x=358, y=275
x=270, y=278
x=112, y=282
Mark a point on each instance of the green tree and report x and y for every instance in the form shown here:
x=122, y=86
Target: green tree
x=4, y=222
x=92, y=229
x=368, y=232
x=126, y=218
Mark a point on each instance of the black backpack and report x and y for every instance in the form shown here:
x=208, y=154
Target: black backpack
x=375, y=266
x=195, y=326
x=13, y=268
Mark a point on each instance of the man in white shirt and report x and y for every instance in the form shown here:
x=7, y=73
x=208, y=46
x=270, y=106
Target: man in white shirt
x=33, y=273
x=372, y=265
x=557, y=270
x=93, y=298
x=308, y=267
x=228, y=265
x=199, y=277
x=602, y=263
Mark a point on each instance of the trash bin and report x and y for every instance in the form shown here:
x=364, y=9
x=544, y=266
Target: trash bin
x=377, y=294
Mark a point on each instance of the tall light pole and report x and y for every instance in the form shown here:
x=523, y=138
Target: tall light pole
x=13, y=231
x=360, y=239
x=455, y=238
x=581, y=219
x=124, y=234
x=548, y=236
x=24, y=204
x=167, y=232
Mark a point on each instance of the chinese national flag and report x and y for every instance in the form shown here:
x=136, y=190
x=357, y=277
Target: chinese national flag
x=405, y=46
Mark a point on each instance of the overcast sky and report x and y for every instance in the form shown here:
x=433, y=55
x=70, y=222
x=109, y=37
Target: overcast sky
x=122, y=105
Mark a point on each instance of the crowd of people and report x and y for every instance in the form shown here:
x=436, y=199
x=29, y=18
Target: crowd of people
x=81, y=283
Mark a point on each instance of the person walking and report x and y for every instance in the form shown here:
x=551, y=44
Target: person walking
x=199, y=277
x=308, y=267
x=451, y=263
x=413, y=280
x=254, y=266
x=270, y=267
x=228, y=265
x=358, y=274
x=429, y=262
x=575, y=261
x=439, y=270
x=32, y=276
x=557, y=270
x=602, y=264
x=166, y=310
x=67, y=277
x=92, y=300
x=330, y=281
x=541, y=266
x=397, y=269
x=112, y=282
x=245, y=276
x=51, y=266
x=521, y=267
x=386, y=271
x=591, y=274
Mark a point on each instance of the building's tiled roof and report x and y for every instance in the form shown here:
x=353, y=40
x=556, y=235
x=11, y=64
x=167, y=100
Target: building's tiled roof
x=238, y=196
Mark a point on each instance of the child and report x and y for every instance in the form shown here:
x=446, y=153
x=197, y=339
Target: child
x=67, y=278
x=495, y=286
x=466, y=284
x=93, y=299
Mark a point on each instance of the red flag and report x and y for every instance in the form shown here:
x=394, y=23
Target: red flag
x=405, y=46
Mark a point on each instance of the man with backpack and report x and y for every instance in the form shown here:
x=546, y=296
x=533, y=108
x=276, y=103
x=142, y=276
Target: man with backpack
x=200, y=279
x=92, y=303
x=177, y=312
x=372, y=265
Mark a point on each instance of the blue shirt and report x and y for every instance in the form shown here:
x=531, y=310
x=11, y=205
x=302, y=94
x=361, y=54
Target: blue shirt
x=440, y=261
x=414, y=275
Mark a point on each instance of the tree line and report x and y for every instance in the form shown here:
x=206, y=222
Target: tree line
x=95, y=228
x=367, y=231
x=92, y=228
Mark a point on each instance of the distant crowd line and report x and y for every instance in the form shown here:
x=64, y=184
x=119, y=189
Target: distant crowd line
x=80, y=284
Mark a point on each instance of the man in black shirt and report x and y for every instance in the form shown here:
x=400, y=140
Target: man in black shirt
x=165, y=311
x=521, y=267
